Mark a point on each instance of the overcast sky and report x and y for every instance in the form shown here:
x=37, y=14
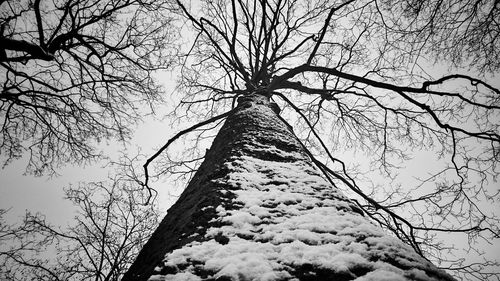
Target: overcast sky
x=19, y=192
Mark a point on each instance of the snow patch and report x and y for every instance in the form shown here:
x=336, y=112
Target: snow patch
x=382, y=275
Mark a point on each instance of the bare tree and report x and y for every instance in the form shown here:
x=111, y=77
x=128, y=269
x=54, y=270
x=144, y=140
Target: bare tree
x=355, y=75
x=109, y=229
x=464, y=33
x=74, y=73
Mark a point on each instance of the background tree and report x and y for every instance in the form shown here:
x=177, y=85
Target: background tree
x=109, y=229
x=463, y=33
x=355, y=76
x=74, y=73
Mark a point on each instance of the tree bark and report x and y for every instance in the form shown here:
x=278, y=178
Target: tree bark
x=258, y=209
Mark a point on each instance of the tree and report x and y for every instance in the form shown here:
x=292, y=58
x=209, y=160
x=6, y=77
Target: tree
x=75, y=73
x=353, y=75
x=449, y=30
x=108, y=231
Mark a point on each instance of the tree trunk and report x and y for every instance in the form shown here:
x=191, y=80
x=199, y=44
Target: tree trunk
x=258, y=209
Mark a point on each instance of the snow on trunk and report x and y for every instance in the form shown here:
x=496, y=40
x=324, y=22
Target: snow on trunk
x=258, y=209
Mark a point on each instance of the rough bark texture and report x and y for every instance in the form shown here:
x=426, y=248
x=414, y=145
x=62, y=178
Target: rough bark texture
x=258, y=209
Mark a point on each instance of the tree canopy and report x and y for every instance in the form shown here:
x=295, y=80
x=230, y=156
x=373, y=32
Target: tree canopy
x=109, y=227
x=74, y=73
